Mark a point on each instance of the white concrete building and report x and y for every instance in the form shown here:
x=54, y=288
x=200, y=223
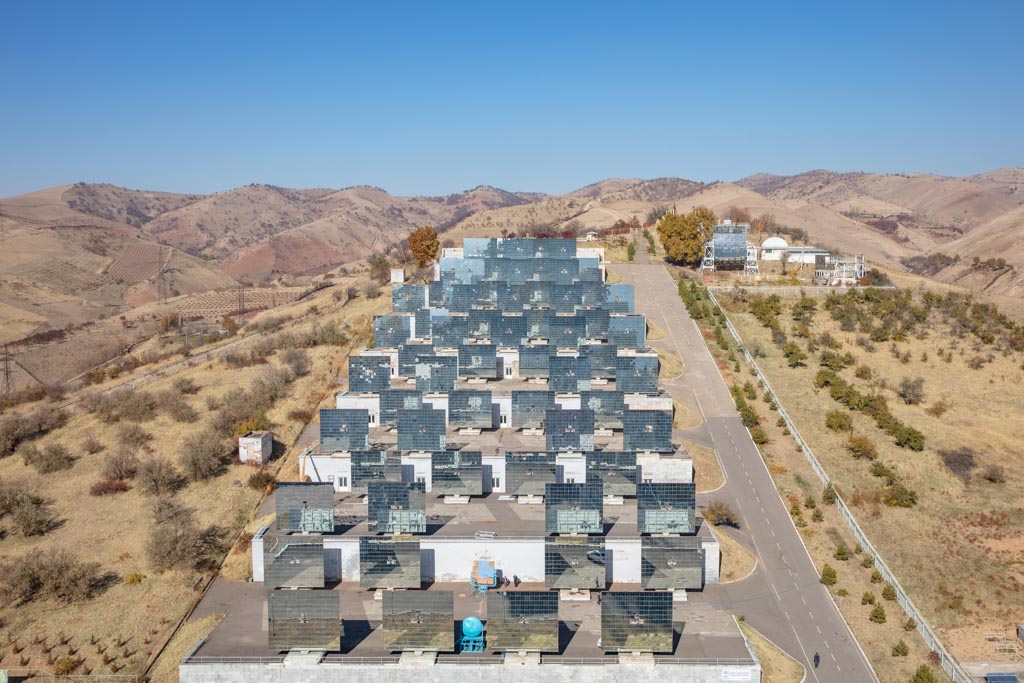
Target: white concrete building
x=256, y=448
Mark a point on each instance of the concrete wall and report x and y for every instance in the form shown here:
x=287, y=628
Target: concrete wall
x=335, y=468
x=625, y=559
x=368, y=402
x=419, y=463
x=645, y=402
x=667, y=470
x=573, y=467
x=452, y=559
x=437, y=402
x=221, y=672
x=494, y=468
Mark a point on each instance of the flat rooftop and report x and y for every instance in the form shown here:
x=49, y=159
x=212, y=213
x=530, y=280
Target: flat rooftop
x=701, y=631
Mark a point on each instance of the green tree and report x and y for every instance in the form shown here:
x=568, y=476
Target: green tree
x=795, y=356
x=684, y=235
x=842, y=552
x=828, y=575
x=878, y=614
x=889, y=592
x=924, y=675
x=900, y=649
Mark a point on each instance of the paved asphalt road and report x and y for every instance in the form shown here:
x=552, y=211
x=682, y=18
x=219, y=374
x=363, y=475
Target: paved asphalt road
x=783, y=598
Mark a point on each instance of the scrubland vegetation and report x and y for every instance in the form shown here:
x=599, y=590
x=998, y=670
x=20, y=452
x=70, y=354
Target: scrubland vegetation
x=116, y=511
x=904, y=397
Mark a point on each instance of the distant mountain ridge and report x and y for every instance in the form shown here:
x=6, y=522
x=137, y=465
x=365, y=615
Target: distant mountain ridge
x=77, y=251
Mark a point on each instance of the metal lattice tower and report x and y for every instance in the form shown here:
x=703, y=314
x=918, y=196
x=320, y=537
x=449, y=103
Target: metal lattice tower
x=750, y=268
x=707, y=266
x=8, y=372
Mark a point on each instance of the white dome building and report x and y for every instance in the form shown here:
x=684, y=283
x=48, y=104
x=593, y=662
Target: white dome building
x=773, y=248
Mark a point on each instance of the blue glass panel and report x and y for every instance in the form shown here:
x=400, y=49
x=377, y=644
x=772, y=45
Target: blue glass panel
x=647, y=430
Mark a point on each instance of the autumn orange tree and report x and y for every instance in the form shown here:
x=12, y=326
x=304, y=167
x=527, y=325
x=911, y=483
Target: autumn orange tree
x=684, y=234
x=424, y=244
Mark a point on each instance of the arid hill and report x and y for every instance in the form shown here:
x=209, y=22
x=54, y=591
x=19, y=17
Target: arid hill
x=78, y=252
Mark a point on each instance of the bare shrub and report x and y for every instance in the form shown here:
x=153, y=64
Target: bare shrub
x=32, y=515
x=17, y=429
x=126, y=404
x=133, y=436
x=185, y=385
x=911, y=391
x=52, y=458
x=995, y=474
x=371, y=290
x=297, y=360
x=939, y=408
x=270, y=385
x=174, y=405
x=92, y=445
x=721, y=514
x=961, y=462
x=204, y=455
x=177, y=541
x=261, y=479
x=52, y=574
x=108, y=487
x=158, y=477
x=120, y=465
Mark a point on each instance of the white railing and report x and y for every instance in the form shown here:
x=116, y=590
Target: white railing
x=949, y=663
x=791, y=290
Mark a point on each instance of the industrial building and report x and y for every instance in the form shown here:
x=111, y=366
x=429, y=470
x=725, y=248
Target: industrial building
x=501, y=464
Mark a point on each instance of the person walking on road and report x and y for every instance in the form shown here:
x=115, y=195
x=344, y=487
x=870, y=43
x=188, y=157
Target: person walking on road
x=817, y=660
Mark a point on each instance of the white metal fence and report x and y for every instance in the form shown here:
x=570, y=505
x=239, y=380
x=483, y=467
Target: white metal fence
x=790, y=290
x=949, y=663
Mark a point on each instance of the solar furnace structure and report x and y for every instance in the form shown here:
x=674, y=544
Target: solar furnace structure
x=529, y=408
x=569, y=375
x=419, y=620
x=575, y=563
x=522, y=621
x=470, y=410
x=304, y=620
x=436, y=374
x=457, y=473
x=637, y=374
x=396, y=400
x=391, y=331
x=671, y=563
x=608, y=408
x=369, y=374
x=527, y=474
x=305, y=508
x=569, y=430
x=422, y=429
x=478, y=360
x=374, y=466
x=730, y=243
x=573, y=508
x=396, y=508
x=637, y=622
x=344, y=429
x=647, y=430
x=295, y=562
x=663, y=508
x=389, y=562
x=616, y=471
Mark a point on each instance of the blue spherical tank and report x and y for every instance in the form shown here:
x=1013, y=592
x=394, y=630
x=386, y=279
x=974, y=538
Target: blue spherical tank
x=472, y=627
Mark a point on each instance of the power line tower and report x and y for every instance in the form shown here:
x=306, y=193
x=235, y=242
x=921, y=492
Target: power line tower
x=8, y=372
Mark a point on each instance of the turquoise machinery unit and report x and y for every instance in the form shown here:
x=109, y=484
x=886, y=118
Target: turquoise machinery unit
x=472, y=635
x=484, y=575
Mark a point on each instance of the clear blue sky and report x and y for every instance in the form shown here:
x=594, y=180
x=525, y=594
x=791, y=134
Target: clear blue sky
x=431, y=98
